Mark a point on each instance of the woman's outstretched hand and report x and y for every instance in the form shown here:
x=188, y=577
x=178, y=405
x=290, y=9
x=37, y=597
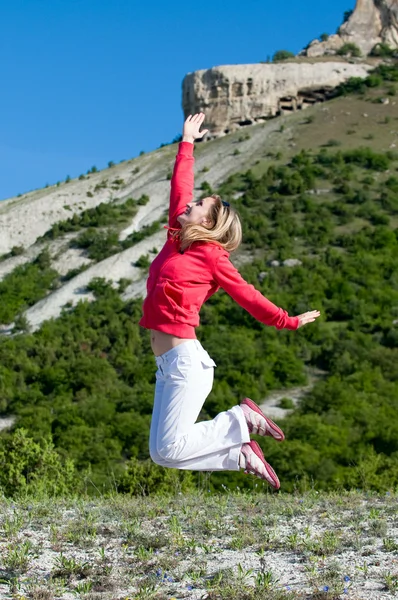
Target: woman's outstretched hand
x=191, y=128
x=308, y=317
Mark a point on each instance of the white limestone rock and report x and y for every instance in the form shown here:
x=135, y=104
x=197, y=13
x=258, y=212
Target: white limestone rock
x=233, y=96
x=372, y=22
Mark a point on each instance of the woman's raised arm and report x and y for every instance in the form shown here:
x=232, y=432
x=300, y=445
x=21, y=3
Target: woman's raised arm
x=182, y=181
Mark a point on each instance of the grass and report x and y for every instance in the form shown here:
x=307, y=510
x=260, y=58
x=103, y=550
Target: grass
x=232, y=546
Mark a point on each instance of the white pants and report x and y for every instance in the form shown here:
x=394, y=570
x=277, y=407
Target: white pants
x=183, y=381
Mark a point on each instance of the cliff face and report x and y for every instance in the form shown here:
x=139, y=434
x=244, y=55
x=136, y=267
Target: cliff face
x=372, y=22
x=239, y=95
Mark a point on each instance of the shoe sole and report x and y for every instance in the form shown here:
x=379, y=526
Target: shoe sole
x=273, y=426
x=257, y=450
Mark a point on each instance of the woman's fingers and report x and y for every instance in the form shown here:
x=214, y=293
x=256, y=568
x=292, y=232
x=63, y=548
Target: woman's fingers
x=198, y=117
x=192, y=125
x=202, y=133
x=308, y=317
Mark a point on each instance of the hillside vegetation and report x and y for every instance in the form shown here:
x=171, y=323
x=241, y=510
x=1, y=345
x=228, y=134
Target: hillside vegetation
x=325, y=192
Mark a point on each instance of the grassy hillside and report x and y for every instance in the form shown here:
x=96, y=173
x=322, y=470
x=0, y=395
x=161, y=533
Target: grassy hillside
x=323, y=190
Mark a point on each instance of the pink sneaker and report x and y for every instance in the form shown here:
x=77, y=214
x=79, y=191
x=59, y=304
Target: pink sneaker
x=253, y=462
x=258, y=423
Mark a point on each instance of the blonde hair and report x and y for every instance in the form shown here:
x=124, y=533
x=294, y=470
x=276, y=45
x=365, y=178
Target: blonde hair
x=226, y=228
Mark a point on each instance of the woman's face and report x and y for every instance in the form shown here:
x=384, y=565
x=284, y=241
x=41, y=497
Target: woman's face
x=197, y=212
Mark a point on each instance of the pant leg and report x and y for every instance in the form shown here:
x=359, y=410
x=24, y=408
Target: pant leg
x=181, y=442
x=160, y=381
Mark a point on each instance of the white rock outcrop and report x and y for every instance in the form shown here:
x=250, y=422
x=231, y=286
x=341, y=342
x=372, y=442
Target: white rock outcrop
x=233, y=96
x=372, y=22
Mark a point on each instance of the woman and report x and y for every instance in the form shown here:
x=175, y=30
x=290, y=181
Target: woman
x=193, y=264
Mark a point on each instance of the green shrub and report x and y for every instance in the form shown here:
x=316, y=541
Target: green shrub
x=123, y=284
x=367, y=158
x=21, y=324
x=332, y=143
x=73, y=272
x=388, y=72
x=98, y=244
x=144, y=232
x=374, y=81
x=143, y=262
x=282, y=55
x=382, y=50
x=349, y=49
x=286, y=404
x=28, y=468
x=17, y=250
x=144, y=199
x=100, y=287
x=353, y=85
x=206, y=187
x=143, y=478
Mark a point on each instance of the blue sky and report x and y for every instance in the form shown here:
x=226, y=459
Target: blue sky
x=89, y=81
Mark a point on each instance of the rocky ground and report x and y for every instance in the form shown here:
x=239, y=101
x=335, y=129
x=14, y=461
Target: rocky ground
x=232, y=546
x=274, y=405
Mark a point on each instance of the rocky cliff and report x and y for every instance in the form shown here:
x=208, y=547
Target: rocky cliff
x=239, y=95
x=372, y=22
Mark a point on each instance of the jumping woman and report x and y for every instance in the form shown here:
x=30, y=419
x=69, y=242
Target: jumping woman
x=192, y=265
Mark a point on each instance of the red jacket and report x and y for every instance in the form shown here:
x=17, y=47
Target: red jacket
x=178, y=284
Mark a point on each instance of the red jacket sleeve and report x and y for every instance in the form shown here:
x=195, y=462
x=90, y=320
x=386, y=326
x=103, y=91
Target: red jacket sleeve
x=245, y=294
x=182, y=183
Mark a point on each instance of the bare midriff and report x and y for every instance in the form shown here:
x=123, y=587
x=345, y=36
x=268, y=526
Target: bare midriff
x=163, y=342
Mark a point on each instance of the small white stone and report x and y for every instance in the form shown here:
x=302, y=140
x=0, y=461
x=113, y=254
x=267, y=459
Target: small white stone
x=292, y=262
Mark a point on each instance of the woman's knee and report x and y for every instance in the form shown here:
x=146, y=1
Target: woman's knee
x=154, y=454
x=169, y=454
x=158, y=460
